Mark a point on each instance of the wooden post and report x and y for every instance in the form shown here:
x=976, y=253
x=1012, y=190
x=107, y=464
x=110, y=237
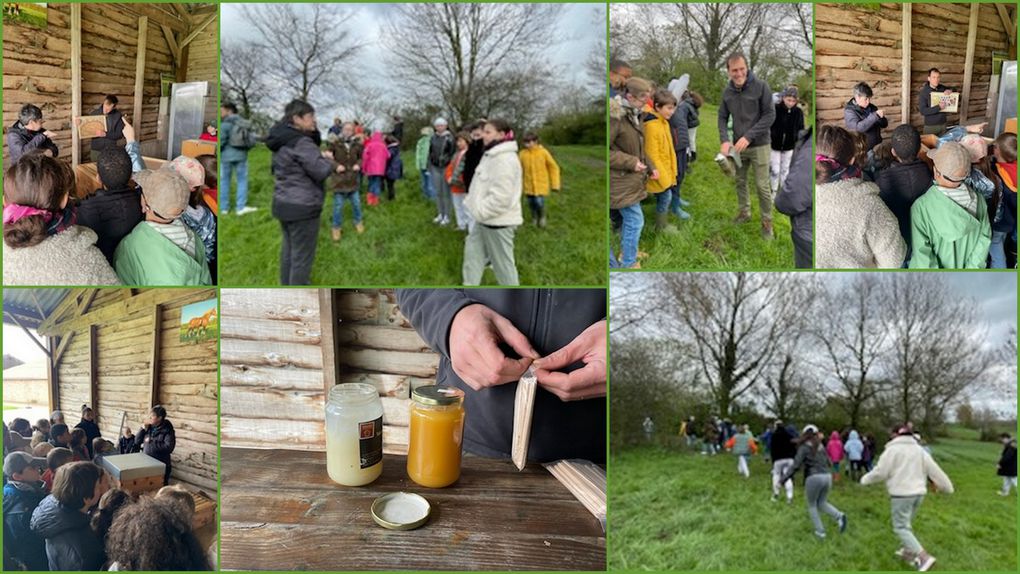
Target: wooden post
x=968, y=66
x=143, y=29
x=905, y=40
x=52, y=376
x=94, y=372
x=329, y=343
x=157, y=333
x=75, y=82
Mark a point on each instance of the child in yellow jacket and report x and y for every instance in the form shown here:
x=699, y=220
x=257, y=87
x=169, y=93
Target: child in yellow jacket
x=540, y=173
x=660, y=150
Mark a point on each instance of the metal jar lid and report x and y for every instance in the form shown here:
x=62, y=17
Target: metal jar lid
x=437, y=395
x=401, y=511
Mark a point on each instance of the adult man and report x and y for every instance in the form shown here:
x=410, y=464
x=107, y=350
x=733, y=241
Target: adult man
x=114, y=127
x=748, y=100
x=934, y=117
x=27, y=134
x=233, y=160
x=441, y=148
x=619, y=73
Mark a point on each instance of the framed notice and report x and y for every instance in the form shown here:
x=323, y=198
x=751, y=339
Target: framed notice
x=952, y=101
x=92, y=127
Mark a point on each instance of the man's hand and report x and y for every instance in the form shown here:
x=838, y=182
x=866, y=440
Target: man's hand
x=655, y=175
x=741, y=144
x=948, y=92
x=102, y=133
x=340, y=168
x=475, y=335
x=585, y=383
x=725, y=148
x=640, y=166
x=49, y=134
x=327, y=154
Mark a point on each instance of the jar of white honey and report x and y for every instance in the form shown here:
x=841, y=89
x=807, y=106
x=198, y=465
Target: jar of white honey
x=354, y=434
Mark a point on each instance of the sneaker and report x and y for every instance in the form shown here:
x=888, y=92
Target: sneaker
x=444, y=222
x=742, y=217
x=541, y=222
x=842, y=523
x=820, y=535
x=437, y=219
x=372, y=199
x=924, y=562
x=336, y=233
x=359, y=227
x=246, y=209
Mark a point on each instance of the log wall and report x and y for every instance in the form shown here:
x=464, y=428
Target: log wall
x=272, y=374
x=204, y=66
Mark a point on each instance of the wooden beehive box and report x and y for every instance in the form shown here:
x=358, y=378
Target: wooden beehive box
x=205, y=510
x=195, y=148
x=136, y=473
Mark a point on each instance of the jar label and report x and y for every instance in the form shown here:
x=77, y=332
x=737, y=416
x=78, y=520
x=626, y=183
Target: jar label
x=370, y=441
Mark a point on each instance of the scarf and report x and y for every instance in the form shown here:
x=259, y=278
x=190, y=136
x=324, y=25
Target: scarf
x=839, y=171
x=56, y=221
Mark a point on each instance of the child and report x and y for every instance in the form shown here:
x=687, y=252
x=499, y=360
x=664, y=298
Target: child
x=102, y=447
x=130, y=545
x=22, y=427
x=111, y=502
x=209, y=133
x=905, y=179
x=836, y=453
x=1004, y=220
x=788, y=124
x=693, y=101
x=162, y=250
x=42, y=449
x=373, y=165
x=78, y=445
x=629, y=166
x=22, y=494
x=1007, y=464
x=62, y=518
x=88, y=424
x=57, y=417
x=906, y=469
x=114, y=210
x=181, y=500
x=347, y=153
x=541, y=173
x=660, y=151
x=743, y=446
x=126, y=444
x=854, y=448
x=455, y=177
x=949, y=223
x=682, y=127
x=494, y=201
x=210, y=189
x=812, y=458
x=198, y=216
x=56, y=458
x=394, y=167
x=42, y=430
x=421, y=161
x=60, y=436
x=42, y=244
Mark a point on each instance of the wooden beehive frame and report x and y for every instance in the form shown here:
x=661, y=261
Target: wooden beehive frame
x=586, y=481
x=524, y=407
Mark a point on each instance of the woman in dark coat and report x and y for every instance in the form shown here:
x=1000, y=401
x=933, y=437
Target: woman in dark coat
x=863, y=116
x=88, y=424
x=157, y=439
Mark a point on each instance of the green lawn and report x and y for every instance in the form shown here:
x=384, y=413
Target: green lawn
x=676, y=510
x=710, y=240
x=401, y=245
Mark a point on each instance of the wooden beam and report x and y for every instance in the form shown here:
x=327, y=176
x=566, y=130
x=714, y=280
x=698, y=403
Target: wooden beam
x=75, y=82
x=52, y=378
x=156, y=13
x=93, y=371
x=77, y=303
x=181, y=73
x=968, y=65
x=198, y=29
x=29, y=333
x=1010, y=26
x=157, y=332
x=63, y=346
x=182, y=12
x=329, y=343
x=86, y=302
x=171, y=42
x=905, y=64
x=143, y=32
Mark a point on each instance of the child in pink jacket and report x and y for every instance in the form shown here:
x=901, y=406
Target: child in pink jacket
x=373, y=165
x=836, y=453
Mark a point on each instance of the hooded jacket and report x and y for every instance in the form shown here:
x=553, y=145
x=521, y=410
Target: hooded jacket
x=626, y=149
x=945, y=236
x=540, y=171
x=395, y=163
x=20, y=140
x=660, y=150
x=796, y=196
x=229, y=153
x=421, y=152
x=112, y=214
x=809, y=457
x=683, y=119
x=834, y=448
x=854, y=447
x=162, y=441
x=67, y=258
x=781, y=444
x=348, y=154
x=494, y=198
x=905, y=468
x=855, y=228
x=550, y=319
x=752, y=111
x=145, y=257
x=742, y=444
x=114, y=130
x=786, y=128
x=1006, y=467
x=865, y=121
x=899, y=186
x=373, y=158
x=20, y=501
x=299, y=170
x=70, y=542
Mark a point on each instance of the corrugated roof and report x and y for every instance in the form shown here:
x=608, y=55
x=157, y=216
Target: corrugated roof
x=22, y=303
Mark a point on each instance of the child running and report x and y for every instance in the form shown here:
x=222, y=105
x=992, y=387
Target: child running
x=811, y=456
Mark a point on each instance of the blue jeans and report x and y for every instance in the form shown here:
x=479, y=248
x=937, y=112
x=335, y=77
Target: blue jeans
x=662, y=200
x=375, y=183
x=633, y=221
x=427, y=190
x=339, y=198
x=228, y=168
x=997, y=251
x=536, y=203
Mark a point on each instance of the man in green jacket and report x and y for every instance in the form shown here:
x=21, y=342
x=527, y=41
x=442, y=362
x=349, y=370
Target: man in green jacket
x=949, y=224
x=162, y=250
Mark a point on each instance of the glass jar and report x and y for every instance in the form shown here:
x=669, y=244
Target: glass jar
x=437, y=434
x=354, y=434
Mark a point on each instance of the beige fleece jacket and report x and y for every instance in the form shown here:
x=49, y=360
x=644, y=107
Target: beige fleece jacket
x=905, y=468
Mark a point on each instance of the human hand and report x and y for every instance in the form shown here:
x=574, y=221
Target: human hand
x=741, y=144
x=475, y=335
x=327, y=154
x=356, y=167
x=340, y=168
x=129, y=131
x=640, y=166
x=942, y=104
x=725, y=148
x=49, y=134
x=589, y=381
x=880, y=113
x=655, y=175
x=948, y=92
x=102, y=133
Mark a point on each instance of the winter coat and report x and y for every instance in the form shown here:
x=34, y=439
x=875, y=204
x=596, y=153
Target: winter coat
x=395, y=164
x=228, y=153
x=299, y=170
x=905, y=468
x=441, y=148
x=834, y=448
x=682, y=121
x=855, y=228
x=781, y=444
x=112, y=214
x=899, y=186
x=126, y=445
x=752, y=111
x=786, y=128
x=145, y=257
x=945, y=236
x=70, y=542
x=20, y=140
x=91, y=432
x=809, y=457
x=20, y=501
x=1005, y=214
x=626, y=149
x=162, y=441
x=540, y=172
x=421, y=153
x=795, y=198
x=455, y=172
x=549, y=319
x=660, y=150
x=373, y=158
x=494, y=198
x=854, y=447
x=933, y=116
x=865, y=121
x=1007, y=464
x=114, y=130
x=200, y=219
x=67, y=258
x=348, y=154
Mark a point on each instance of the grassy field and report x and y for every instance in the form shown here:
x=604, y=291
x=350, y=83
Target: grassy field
x=710, y=240
x=401, y=245
x=676, y=510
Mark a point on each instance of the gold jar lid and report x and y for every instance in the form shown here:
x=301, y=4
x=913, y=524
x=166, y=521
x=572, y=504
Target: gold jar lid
x=401, y=511
x=437, y=395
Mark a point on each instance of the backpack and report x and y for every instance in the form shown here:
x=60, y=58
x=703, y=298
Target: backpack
x=241, y=136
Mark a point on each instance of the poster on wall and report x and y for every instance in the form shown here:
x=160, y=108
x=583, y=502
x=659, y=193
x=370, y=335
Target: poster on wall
x=199, y=322
x=27, y=13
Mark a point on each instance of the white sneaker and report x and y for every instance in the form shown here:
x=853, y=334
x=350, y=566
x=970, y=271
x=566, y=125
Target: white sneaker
x=247, y=209
x=437, y=219
x=924, y=562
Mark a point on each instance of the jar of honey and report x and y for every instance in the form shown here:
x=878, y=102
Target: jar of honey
x=437, y=435
x=354, y=434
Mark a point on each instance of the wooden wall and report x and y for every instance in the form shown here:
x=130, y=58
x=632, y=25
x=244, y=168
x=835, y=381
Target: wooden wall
x=272, y=375
x=204, y=66
x=187, y=373
x=862, y=43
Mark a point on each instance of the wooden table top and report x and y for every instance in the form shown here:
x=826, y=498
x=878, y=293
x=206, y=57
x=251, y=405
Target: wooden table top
x=280, y=511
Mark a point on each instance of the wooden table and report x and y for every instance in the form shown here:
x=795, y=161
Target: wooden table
x=280, y=511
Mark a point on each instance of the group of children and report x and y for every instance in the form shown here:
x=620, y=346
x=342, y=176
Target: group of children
x=134, y=226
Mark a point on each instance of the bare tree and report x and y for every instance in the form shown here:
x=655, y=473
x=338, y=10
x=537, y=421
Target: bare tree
x=306, y=50
x=479, y=60
x=714, y=30
x=242, y=77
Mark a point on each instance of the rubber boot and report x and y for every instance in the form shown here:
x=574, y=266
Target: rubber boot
x=662, y=224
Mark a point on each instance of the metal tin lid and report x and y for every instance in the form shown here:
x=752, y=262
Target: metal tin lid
x=437, y=395
x=401, y=511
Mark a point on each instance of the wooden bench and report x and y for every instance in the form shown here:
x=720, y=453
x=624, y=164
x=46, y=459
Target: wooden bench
x=282, y=512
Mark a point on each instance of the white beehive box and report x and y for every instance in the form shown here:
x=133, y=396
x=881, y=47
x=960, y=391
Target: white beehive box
x=135, y=472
